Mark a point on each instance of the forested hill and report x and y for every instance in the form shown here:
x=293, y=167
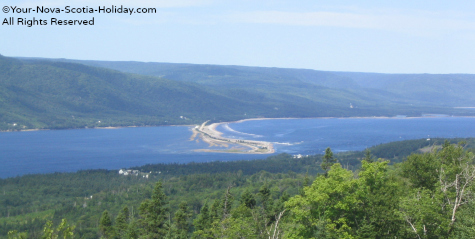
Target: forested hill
x=48, y=94
x=453, y=90
x=53, y=94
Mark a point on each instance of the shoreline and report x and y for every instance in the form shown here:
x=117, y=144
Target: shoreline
x=351, y=117
x=213, y=137
x=261, y=118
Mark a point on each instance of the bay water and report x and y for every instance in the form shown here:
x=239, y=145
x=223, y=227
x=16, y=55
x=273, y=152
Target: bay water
x=48, y=151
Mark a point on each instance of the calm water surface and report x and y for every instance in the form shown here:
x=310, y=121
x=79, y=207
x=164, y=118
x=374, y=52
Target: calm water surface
x=72, y=150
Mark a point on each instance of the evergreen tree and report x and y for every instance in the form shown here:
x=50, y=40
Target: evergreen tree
x=328, y=160
x=154, y=214
x=132, y=230
x=216, y=211
x=105, y=225
x=182, y=221
x=248, y=199
x=203, y=223
x=264, y=193
x=306, y=180
x=227, y=202
x=367, y=156
x=267, y=203
x=203, y=220
x=121, y=222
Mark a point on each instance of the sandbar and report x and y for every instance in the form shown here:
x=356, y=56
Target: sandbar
x=213, y=137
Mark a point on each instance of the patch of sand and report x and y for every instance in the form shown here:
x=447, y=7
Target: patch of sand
x=214, y=138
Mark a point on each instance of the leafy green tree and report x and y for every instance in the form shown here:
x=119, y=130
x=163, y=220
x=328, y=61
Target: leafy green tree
x=63, y=230
x=321, y=211
x=421, y=212
x=154, y=214
x=341, y=205
x=231, y=227
x=465, y=223
x=432, y=212
x=17, y=235
x=422, y=170
x=378, y=196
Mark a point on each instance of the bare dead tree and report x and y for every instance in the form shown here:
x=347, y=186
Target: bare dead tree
x=273, y=231
x=460, y=187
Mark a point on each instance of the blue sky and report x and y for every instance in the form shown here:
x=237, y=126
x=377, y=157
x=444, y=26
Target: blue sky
x=363, y=36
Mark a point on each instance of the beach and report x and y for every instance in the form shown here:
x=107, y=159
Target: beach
x=213, y=137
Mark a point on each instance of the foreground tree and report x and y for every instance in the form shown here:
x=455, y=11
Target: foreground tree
x=105, y=226
x=154, y=214
x=443, y=184
x=248, y=200
x=17, y=235
x=64, y=230
x=322, y=207
x=122, y=222
x=203, y=223
x=182, y=226
x=341, y=205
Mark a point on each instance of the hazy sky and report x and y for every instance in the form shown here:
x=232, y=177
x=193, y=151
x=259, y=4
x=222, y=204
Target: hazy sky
x=366, y=36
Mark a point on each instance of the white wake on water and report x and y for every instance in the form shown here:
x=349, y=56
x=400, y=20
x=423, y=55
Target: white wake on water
x=226, y=126
x=287, y=143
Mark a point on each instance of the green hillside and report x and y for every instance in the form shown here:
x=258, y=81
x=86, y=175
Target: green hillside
x=58, y=93
x=47, y=94
x=432, y=90
x=365, y=90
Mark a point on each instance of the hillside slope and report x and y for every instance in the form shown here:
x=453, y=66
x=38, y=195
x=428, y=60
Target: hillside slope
x=433, y=90
x=55, y=93
x=65, y=95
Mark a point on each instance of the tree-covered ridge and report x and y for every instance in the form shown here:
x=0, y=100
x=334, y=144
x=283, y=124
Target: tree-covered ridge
x=226, y=199
x=427, y=196
x=423, y=89
x=45, y=94
x=55, y=94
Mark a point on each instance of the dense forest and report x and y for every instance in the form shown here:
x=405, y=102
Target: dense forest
x=407, y=189
x=421, y=89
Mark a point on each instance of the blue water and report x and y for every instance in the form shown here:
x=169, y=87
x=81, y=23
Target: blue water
x=311, y=136
x=71, y=150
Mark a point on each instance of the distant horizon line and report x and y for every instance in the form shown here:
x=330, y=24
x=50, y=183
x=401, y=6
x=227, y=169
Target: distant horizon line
x=235, y=65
